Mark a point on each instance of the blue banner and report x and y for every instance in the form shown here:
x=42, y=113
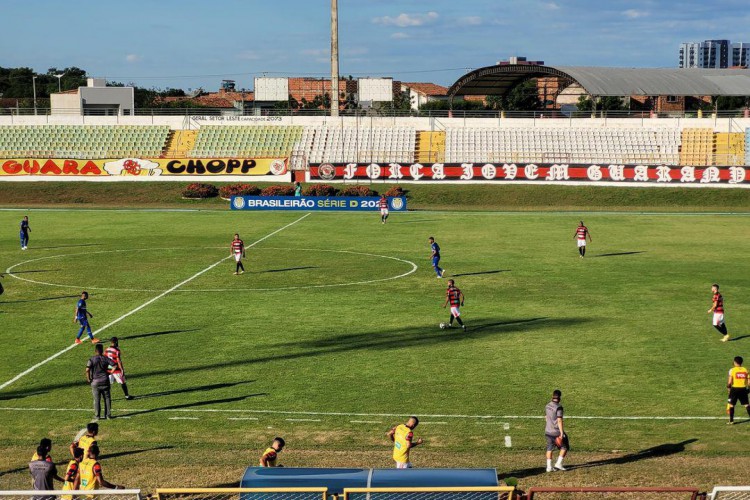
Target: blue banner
x=317, y=203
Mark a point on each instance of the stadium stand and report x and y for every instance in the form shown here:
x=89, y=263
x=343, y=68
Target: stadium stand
x=552, y=145
x=747, y=146
x=180, y=143
x=697, y=146
x=729, y=148
x=82, y=141
x=362, y=144
x=430, y=147
x=259, y=141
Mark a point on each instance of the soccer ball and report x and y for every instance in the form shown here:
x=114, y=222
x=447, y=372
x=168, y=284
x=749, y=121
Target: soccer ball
x=442, y=326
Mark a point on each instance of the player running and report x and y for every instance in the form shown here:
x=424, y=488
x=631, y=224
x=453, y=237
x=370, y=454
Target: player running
x=403, y=441
x=738, y=384
x=117, y=372
x=435, y=257
x=582, y=232
x=82, y=316
x=455, y=297
x=717, y=308
x=269, y=457
x=383, y=204
x=238, y=251
x=25, y=230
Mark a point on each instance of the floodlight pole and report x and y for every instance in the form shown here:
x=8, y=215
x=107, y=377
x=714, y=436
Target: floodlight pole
x=334, y=58
x=33, y=85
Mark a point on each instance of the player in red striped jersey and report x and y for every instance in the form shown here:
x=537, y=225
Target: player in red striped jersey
x=455, y=297
x=117, y=370
x=717, y=308
x=238, y=251
x=580, y=236
x=383, y=204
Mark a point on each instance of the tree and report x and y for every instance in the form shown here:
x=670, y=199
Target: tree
x=606, y=103
x=522, y=97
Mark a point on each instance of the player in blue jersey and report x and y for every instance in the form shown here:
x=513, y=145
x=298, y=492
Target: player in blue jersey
x=435, y=257
x=25, y=229
x=82, y=316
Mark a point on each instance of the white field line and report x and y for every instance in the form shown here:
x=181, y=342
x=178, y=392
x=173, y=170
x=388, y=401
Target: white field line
x=365, y=422
x=242, y=418
x=508, y=442
x=184, y=418
x=9, y=272
x=145, y=304
x=393, y=415
x=303, y=420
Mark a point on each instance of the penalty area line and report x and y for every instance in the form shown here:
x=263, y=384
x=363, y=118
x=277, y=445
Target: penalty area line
x=145, y=304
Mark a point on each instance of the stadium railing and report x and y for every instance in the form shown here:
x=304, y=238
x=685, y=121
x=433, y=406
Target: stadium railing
x=640, y=493
x=242, y=494
x=730, y=493
x=69, y=494
x=431, y=493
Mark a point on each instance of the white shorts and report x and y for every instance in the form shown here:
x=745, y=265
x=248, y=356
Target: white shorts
x=581, y=243
x=237, y=257
x=455, y=312
x=718, y=319
x=117, y=377
x=403, y=465
x=383, y=211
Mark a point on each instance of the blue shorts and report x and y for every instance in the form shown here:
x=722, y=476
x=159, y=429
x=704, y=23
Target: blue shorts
x=435, y=261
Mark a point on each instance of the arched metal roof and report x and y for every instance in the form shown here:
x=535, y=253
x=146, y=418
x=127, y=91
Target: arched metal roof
x=600, y=81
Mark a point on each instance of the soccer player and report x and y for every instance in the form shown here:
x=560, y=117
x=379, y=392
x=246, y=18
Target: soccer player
x=580, y=235
x=717, y=308
x=383, y=204
x=97, y=375
x=82, y=316
x=435, y=257
x=238, y=251
x=117, y=372
x=45, y=443
x=25, y=230
x=454, y=297
x=403, y=441
x=738, y=384
x=86, y=441
x=554, y=432
x=72, y=474
x=91, y=473
x=269, y=457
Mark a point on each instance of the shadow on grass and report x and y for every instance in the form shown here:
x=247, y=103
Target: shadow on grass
x=192, y=405
x=7, y=398
x=154, y=334
x=289, y=269
x=497, y=271
x=662, y=450
x=35, y=271
x=134, y=452
x=616, y=254
x=42, y=299
x=380, y=340
x=412, y=221
x=203, y=388
x=735, y=339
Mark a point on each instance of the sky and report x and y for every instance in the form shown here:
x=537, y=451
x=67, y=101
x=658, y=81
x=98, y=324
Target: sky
x=188, y=44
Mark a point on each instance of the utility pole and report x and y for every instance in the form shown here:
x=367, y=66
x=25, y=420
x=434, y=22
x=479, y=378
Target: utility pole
x=33, y=85
x=334, y=58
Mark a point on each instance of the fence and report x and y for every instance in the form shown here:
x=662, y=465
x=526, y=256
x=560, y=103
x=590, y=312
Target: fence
x=242, y=494
x=640, y=493
x=730, y=493
x=69, y=494
x=429, y=493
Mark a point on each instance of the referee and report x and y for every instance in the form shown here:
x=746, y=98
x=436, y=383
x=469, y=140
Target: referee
x=737, y=383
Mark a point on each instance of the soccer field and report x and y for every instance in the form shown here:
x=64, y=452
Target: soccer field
x=332, y=336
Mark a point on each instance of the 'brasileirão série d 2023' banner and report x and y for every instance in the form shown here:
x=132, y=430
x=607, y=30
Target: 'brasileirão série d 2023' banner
x=317, y=203
x=538, y=172
x=142, y=167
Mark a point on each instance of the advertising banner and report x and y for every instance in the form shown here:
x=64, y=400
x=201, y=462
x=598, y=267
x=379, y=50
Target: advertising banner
x=539, y=172
x=317, y=203
x=143, y=167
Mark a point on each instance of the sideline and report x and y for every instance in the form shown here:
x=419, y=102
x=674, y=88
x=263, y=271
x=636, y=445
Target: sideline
x=145, y=304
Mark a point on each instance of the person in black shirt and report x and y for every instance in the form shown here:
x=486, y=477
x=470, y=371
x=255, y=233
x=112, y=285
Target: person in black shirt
x=97, y=374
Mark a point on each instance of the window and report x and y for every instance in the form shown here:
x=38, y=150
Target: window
x=672, y=99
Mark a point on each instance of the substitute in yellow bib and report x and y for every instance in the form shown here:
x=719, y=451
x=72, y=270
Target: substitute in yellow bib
x=271, y=455
x=403, y=441
x=91, y=473
x=72, y=474
x=738, y=384
x=87, y=440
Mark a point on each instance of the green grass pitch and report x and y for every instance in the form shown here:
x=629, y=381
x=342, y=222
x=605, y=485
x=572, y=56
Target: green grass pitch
x=332, y=336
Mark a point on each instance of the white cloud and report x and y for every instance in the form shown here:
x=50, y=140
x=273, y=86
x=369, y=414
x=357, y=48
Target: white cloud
x=551, y=6
x=635, y=14
x=354, y=51
x=404, y=20
x=315, y=52
x=470, y=21
x=132, y=58
x=400, y=35
x=248, y=55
